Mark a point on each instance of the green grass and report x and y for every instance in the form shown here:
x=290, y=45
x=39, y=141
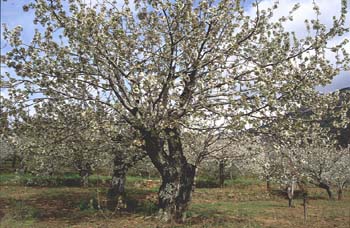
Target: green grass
x=243, y=181
x=240, y=209
x=13, y=178
x=67, y=179
x=11, y=222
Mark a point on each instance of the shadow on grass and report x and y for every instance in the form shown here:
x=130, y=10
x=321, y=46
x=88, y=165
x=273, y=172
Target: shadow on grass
x=75, y=205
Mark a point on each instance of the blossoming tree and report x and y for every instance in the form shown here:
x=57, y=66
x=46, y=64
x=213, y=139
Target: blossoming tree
x=160, y=64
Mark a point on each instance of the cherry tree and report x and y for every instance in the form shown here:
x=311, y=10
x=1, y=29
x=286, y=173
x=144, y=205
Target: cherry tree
x=264, y=163
x=229, y=151
x=318, y=162
x=158, y=65
x=340, y=174
x=59, y=135
x=323, y=165
x=7, y=152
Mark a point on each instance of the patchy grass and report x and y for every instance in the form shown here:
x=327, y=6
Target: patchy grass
x=243, y=181
x=66, y=179
x=243, y=203
x=71, y=180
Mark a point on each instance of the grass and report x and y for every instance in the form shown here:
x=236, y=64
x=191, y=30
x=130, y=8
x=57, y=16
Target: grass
x=71, y=180
x=242, y=203
x=67, y=179
x=243, y=181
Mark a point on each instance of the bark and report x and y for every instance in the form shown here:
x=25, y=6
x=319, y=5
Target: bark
x=290, y=194
x=268, y=184
x=305, y=205
x=121, y=163
x=177, y=174
x=84, y=173
x=329, y=193
x=22, y=167
x=221, y=173
x=340, y=194
x=194, y=180
x=14, y=161
x=328, y=189
x=175, y=193
x=116, y=192
x=84, y=178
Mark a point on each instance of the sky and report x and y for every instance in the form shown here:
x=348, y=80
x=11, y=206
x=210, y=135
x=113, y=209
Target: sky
x=13, y=15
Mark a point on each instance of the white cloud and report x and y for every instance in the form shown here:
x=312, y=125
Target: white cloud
x=328, y=9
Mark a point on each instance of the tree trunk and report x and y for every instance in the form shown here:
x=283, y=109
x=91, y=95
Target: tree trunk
x=305, y=205
x=268, y=184
x=175, y=193
x=177, y=174
x=84, y=178
x=329, y=192
x=290, y=194
x=194, y=180
x=85, y=172
x=328, y=189
x=22, y=167
x=290, y=201
x=340, y=193
x=221, y=173
x=116, y=192
x=14, y=161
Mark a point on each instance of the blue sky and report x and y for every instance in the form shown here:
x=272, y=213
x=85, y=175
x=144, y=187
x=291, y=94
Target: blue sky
x=12, y=14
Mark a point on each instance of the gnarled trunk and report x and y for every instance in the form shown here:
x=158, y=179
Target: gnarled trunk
x=175, y=192
x=327, y=188
x=177, y=174
x=116, y=192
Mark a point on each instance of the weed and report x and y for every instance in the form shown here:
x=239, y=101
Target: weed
x=90, y=204
x=22, y=211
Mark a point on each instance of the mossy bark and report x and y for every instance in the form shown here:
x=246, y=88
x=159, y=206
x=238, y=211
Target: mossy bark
x=116, y=192
x=177, y=174
x=175, y=193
